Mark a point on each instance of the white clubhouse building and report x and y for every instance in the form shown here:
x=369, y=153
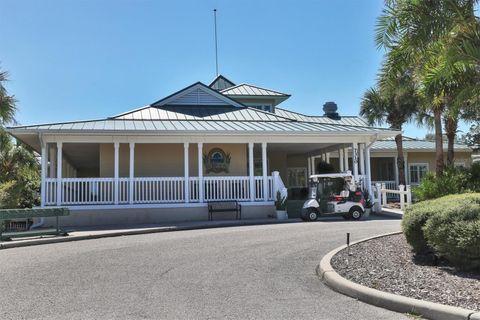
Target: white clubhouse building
x=204, y=143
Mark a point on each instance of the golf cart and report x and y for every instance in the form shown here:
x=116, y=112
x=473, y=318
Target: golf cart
x=331, y=194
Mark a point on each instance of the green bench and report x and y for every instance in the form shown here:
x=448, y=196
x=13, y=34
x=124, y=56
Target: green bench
x=11, y=214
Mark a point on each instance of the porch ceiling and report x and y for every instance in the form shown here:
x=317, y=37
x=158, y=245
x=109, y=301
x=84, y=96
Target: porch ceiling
x=298, y=148
x=82, y=155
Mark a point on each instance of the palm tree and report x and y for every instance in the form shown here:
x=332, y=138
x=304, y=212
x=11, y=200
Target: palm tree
x=394, y=103
x=7, y=102
x=420, y=33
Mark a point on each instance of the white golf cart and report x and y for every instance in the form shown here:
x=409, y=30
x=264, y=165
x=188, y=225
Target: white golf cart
x=334, y=193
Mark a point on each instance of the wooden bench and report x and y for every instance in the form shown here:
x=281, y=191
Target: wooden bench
x=224, y=206
x=10, y=214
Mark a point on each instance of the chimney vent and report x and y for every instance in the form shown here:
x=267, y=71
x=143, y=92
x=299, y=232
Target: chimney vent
x=330, y=109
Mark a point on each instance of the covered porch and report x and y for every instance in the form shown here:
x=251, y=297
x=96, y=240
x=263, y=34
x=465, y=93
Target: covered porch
x=88, y=174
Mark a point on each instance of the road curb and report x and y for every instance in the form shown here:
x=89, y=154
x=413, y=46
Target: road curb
x=386, y=300
x=35, y=242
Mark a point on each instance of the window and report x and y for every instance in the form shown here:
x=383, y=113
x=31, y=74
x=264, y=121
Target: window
x=417, y=171
x=296, y=177
x=263, y=107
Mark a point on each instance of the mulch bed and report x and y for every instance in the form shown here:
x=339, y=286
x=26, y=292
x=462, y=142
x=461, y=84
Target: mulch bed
x=388, y=264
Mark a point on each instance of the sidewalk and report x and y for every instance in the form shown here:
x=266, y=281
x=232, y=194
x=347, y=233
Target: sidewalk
x=96, y=232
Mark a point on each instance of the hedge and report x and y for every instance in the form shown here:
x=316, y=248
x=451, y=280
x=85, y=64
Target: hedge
x=448, y=226
x=454, y=233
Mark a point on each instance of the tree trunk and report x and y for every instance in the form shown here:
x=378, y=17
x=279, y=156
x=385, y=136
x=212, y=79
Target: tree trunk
x=451, y=125
x=437, y=113
x=400, y=160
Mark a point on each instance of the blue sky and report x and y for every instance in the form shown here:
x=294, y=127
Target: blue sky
x=84, y=59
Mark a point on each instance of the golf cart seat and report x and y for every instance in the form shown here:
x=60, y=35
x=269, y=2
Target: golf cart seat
x=344, y=193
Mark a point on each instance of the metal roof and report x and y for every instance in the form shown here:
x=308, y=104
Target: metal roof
x=251, y=90
x=123, y=125
x=222, y=113
x=414, y=144
x=220, y=82
x=344, y=120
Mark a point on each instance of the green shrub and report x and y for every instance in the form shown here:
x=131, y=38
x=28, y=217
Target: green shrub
x=453, y=232
x=453, y=181
x=413, y=221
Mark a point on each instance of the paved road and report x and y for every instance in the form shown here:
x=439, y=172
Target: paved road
x=254, y=272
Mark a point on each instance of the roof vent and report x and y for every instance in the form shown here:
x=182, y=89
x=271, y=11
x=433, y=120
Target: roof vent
x=330, y=109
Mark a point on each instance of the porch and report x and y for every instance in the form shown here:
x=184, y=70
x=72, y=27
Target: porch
x=88, y=175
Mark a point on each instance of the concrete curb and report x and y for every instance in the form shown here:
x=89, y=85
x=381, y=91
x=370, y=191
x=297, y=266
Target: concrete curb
x=386, y=300
x=35, y=242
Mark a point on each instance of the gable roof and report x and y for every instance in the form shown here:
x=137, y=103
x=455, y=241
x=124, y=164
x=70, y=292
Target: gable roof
x=220, y=83
x=197, y=94
x=245, y=89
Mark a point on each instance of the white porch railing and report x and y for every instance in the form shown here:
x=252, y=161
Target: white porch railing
x=99, y=191
x=404, y=193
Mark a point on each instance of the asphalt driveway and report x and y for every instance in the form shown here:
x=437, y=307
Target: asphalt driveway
x=250, y=272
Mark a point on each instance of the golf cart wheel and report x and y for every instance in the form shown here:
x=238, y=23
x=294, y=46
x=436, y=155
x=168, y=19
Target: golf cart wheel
x=311, y=214
x=356, y=213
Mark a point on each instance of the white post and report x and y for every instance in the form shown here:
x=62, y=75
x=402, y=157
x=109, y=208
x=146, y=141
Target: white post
x=368, y=170
x=186, y=173
x=345, y=158
x=312, y=163
x=116, y=147
x=401, y=188
x=309, y=166
x=378, y=199
x=275, y=176
x=384, y=195
x=355, y=160
x=131, y=187
x=340, y=160
x=201, y=195
x=53, y=161
x=251, y=172
x=327, y=157
x=43, y=174
x=264, y=171
x=59, y=173
x=362, y=158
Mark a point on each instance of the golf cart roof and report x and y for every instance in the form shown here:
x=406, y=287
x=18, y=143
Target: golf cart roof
x=332, y=175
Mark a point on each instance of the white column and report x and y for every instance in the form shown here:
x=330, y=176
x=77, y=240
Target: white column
x=362, y=158
x=43, y=174
x=131, y=187
x=250, y=171
x=116, y=147
x=367, y=171
x=201, y=195
x=340, y=160
x=53, y=161
x=186, y=173
x=345, y=158
x=312, y=163
x=264, y=171
x=309, y=166
x=59, y=173
x=355, y=160
x=327, y=157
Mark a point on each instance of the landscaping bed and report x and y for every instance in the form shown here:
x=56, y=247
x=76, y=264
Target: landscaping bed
x=388, y=264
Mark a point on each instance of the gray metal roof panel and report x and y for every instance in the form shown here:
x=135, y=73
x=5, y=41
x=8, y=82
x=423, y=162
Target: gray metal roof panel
x=245, y=89
x=413, y=144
